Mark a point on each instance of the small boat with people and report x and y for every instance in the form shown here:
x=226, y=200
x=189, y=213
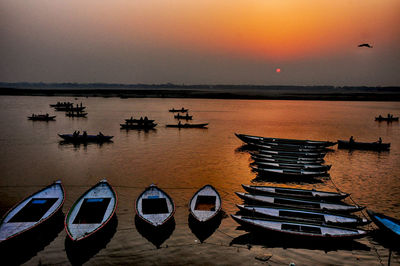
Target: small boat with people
x=132, y=120
x=182, y=110
x=41, y=117
x=299, y=203
x=76, y=114
x=91, y=212
x=388, y=224
x=185, y=117
x=62, y=104
x=300, y=229
x=187, y=125
x=154, y=206
x=290, y=172
x=76, y=137
x=205, y=204
x=356, y=145
x=142, y=123
x=303, y=215
x=70, y=108
x=252, y=139
x=32, y=211
x=295, y=192
x=388, y=118
x=312, y=167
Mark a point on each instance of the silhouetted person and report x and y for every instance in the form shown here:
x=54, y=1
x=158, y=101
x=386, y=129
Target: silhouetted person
x=100, y=134
x=84, y=134
x=351, y=141
x=365, y=45
x=380, y=140
x=179, y=123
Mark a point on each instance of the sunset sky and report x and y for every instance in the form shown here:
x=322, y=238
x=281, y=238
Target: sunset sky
x=312, y=42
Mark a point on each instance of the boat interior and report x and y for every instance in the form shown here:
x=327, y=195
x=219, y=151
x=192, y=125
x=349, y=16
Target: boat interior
x=205, y=203
x=154, y=205
x=92, y=211
x=34, y=210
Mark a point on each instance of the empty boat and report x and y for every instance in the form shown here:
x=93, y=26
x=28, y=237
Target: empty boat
x=205, y=204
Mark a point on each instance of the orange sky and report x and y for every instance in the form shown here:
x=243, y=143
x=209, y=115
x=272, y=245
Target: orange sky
x=269, y=32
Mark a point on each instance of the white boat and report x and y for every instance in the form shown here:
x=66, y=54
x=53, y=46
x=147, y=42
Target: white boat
x=154, y=206
x=91, y=212
x=32, y=211
x=302, y=215
x=315, y=231
x=299, y=203
x=205, y=204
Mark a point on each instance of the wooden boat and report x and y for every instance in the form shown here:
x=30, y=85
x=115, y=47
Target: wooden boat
x=376, y=146
x=45, y=117
x=186, y=117
x=62, y=104
x=252, y=139
x=79, y=114
x=133, y=121
x=85, y=139
x=32, y=211
x=186, y=125
x=300, y=229
x=290, y=172
x=301, y=215
x=299, y=203
x=91, y=212
x=274, y=157
x=70, y=109
x=295, y=192
x=182, y=110
x=288, y=148
x=154, y=206
x=138, y=126
x=386, y=223
x=294, y=153
x=205, y=204
x=311, y=167
x=387, y=119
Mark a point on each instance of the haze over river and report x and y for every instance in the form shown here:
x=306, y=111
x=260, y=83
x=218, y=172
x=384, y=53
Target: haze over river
x=182, y=161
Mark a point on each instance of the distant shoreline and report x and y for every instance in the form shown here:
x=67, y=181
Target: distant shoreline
x=324, y=93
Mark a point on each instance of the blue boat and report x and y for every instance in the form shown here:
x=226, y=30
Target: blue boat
x=386, y=223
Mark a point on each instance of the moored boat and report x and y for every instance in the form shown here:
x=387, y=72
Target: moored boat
x=299, y=203
x=294, y=153
x=85, y=139
x=311, y=167
x=260, y=156
x=91, y=212
x=376, y=146
x=295, y=192
x=386, y=223
x=186, y=125
x=300, y=229
x=288, y=148
x=302, y=215
x=290, y=172
x=154, y=206
x=205, y=204
x=252, y=139
x=32, y=211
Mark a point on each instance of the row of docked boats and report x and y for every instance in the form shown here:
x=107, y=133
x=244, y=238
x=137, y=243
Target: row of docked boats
x=299, y=212
x=287, y=157
x=96, y=207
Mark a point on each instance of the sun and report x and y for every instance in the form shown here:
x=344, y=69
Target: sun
x=278, y=70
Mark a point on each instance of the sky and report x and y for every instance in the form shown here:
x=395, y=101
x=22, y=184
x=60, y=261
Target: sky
x=311, y=42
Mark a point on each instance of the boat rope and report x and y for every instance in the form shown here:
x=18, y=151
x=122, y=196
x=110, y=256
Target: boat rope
x=377, y=254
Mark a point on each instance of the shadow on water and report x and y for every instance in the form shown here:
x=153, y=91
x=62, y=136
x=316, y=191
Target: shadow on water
x=282, y=241
x=22, y=248
x=63, y=143
x=204, y=230
x=386, y=240
x=246, y=148
x=156, y=235
x=81, y=251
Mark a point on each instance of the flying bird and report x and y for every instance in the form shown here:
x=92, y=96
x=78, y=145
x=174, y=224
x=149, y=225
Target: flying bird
x=365, y=45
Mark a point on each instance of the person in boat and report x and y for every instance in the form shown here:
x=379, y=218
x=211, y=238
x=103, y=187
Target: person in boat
x=183, y=109
x=380, y=117
x=351, y=141
x=47, y=115
x=179, y=123
x=379, y=140
x=100, y=134
x=84, y=134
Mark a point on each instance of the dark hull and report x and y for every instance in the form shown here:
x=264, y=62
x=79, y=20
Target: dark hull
x=288, y=172
x=375, y=146
x=82, y=139
x=41, y=118
x=386, y=119
x=178, y=110
x=136, y=126
x=189, y=125
x=252, y=139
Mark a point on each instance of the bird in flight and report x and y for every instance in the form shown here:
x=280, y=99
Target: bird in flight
x=365, y=45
